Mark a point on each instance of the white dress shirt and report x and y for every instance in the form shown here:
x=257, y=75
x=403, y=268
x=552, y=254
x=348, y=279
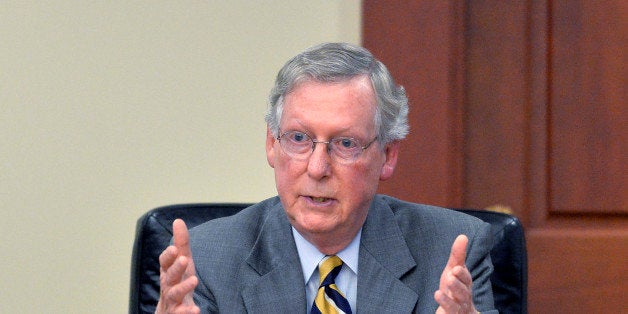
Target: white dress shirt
x=347, y=279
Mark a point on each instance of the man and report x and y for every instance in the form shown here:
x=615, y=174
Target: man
x=334, y=124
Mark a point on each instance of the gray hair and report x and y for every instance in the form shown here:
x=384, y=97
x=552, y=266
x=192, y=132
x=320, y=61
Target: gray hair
x=337, y=62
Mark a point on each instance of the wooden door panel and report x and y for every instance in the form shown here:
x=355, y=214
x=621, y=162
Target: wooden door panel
x=568, y=184
x=420, y=42
x=496, y=105
x=589, y=120
x=577, y=271
x=521, y=103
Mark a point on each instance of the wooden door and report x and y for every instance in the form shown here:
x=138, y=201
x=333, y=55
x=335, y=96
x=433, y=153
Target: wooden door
x=521, y=103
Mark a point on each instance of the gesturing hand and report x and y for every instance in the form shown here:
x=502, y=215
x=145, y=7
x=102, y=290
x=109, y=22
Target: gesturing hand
x=177, y=276
x=454, y=294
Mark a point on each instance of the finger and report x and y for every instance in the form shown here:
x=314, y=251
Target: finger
x=449, y=305
x=456, y=290
x=458, y=252
x=174, y=274
x=181, y=237
x=187, y=310
x=463, y=274
x=177, y=293
x=179, y=309
x=446, y=304
x=167, y=257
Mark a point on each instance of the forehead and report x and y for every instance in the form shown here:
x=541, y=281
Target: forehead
x=345, y=105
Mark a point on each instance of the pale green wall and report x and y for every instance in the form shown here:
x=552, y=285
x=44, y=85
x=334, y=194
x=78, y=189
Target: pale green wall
x=110, y=108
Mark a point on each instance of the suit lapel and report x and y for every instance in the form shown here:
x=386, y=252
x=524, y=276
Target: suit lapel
x=278, y=286
x=384, y=259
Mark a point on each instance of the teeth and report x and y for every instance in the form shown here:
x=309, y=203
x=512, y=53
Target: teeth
x=319, y=199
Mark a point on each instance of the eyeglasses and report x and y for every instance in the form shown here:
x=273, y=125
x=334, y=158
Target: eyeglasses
x=299, y=145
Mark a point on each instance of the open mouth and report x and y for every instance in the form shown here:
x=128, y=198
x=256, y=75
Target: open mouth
x=319, y=199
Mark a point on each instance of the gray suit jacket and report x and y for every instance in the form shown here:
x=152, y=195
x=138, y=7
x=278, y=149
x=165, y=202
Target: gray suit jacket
x=248, y=263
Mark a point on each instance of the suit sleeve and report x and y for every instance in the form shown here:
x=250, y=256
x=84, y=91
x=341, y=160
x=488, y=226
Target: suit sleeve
x=480, y=266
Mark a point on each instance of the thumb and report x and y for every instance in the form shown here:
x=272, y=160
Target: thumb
x=181, y=237
x=458, y=252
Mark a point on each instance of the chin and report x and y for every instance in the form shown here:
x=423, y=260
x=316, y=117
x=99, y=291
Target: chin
x=314, y=225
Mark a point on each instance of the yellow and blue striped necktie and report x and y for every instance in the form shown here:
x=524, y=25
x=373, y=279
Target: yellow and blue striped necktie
x=329, y=299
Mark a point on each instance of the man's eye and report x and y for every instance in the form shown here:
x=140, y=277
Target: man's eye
x=298, y=137
x=347, y=143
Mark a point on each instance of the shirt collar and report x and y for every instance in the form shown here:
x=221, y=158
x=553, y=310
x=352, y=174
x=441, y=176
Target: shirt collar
x=310, y=256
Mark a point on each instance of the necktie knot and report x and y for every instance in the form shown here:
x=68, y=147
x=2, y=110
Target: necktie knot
x=328, y=269
x=329, y=299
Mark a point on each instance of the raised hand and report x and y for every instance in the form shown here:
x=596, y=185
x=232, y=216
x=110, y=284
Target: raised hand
x=454, y=294
x=177, y=275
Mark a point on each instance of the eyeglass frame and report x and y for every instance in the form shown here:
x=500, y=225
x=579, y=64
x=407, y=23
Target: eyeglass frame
x=328, y=145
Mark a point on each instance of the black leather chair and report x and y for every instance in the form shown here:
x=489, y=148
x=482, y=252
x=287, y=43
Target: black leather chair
x=154, y=232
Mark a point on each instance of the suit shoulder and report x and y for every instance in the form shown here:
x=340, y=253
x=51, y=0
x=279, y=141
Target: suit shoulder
x=414, y=215
x=242, y=227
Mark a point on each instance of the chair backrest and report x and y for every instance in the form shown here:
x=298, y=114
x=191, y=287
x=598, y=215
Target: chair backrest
x=154, y=232
x=510, y=261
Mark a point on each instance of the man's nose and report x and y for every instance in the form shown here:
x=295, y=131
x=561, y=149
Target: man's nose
x=320, y=160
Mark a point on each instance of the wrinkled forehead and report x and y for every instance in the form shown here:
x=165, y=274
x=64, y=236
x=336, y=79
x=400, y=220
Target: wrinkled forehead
x=348, y=104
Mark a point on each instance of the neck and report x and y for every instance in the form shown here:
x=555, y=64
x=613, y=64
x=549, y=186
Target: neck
x=330, y=244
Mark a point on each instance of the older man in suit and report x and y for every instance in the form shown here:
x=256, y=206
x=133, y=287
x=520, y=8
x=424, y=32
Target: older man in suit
x=328, y=243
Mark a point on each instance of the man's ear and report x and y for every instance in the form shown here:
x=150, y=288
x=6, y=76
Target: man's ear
x=270, y=147
x=392, y=151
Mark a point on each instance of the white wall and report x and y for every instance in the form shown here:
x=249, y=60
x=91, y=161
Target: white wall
x=110, y=108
